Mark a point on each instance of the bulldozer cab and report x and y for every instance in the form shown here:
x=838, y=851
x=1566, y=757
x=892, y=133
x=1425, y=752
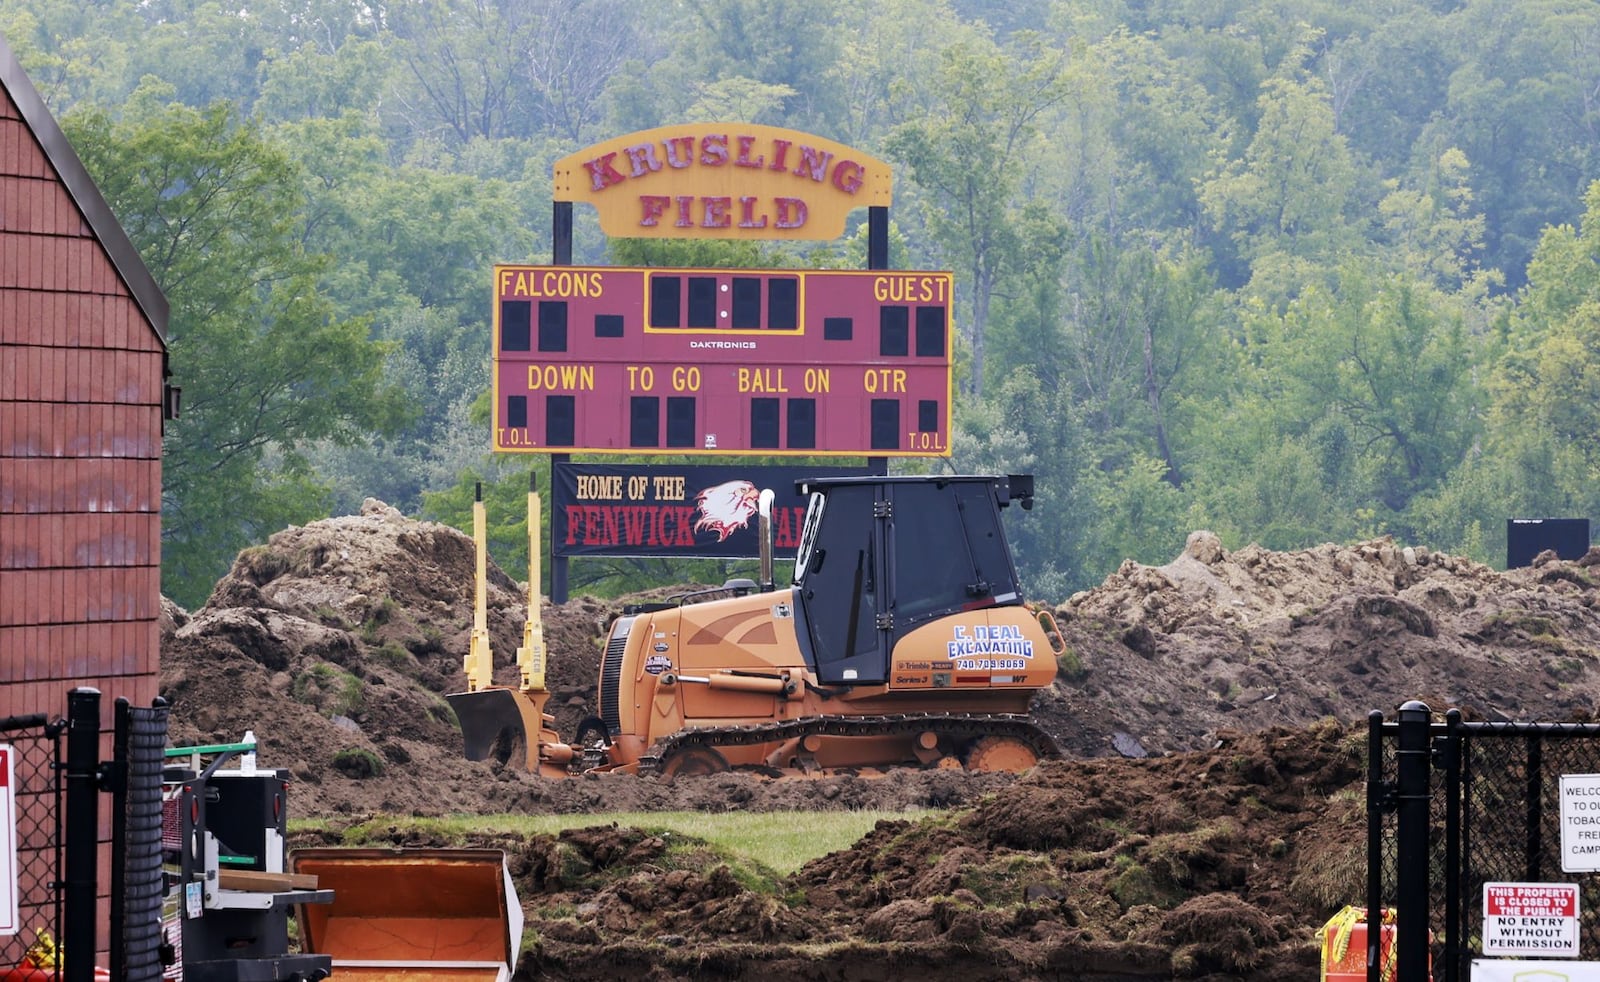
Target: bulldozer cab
x=882, y=556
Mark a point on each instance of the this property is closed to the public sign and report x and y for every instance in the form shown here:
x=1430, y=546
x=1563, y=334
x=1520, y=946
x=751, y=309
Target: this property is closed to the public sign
x=1530, y=919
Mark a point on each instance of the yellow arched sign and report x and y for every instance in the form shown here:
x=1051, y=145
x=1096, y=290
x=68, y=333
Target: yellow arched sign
x=723, y=181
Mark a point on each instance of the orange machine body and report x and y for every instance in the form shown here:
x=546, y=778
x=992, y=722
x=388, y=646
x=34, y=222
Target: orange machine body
x=903, y=641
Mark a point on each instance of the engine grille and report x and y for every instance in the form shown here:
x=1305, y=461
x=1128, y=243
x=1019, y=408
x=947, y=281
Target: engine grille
x=611, y=675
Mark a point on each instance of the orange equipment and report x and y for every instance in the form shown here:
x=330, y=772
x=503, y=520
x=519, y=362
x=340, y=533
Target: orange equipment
x=445, y=915
x=903, y=640
x=1344, y=946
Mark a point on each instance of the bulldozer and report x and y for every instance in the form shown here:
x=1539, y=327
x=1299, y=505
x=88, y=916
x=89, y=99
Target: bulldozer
x=903, y=640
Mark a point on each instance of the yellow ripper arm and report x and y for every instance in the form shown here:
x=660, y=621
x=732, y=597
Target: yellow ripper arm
x=480, y=659
x=496, y=719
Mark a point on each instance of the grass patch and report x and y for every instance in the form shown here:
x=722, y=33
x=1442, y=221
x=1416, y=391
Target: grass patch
x=1003, y=879
x=780, y=841
x=380, y=615
x=358, y=763
x=263, y=564
x=1069, y=666
x=331, y=690
x=396, y=656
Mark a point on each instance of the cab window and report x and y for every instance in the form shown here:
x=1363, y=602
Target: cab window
x=841, y=587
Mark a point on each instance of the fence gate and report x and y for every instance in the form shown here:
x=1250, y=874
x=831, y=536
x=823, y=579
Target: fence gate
x=1453, y=806
x=57, y=780
x=34, y=743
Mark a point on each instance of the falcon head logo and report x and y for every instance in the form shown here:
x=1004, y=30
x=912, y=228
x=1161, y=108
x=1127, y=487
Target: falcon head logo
x=726, y=508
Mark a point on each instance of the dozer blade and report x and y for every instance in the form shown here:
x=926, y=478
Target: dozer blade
x=498, y=722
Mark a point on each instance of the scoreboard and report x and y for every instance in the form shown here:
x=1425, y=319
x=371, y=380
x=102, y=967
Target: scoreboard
x=606, y=359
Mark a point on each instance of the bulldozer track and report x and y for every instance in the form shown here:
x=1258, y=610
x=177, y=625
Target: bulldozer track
x=958, y=725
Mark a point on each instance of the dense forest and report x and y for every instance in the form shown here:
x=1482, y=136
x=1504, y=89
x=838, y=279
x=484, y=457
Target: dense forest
x=1290, y=271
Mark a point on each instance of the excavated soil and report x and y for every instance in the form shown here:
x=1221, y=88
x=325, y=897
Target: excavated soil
x=1207, y=819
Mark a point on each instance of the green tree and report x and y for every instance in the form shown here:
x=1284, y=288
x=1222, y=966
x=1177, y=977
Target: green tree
x=786, y=44
x=464, y=78
x=579, y=48
x=311, y=82
x=969, y=153
x=1540, y=452
x=1392, y=361
x=1136, y=324
x=1166, y=131
x=1434, y=232
x=416, y=248
x=265, y=364
x=1025, y=426
x=1350, y=403
x=1291, y=204
x=886, y=65
x=1521, y=104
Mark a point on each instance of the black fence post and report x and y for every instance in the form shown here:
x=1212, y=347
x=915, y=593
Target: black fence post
x=1534, y=797
x=1375, y=807
x=77, y=946
x=1413, y=759
x=119, y=832
x=1453, y=844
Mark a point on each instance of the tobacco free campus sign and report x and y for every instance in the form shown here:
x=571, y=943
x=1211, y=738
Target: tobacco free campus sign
x=1580, y=823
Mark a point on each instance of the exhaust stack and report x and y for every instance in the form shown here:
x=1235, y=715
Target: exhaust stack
x=531, y=656
x=764, y=533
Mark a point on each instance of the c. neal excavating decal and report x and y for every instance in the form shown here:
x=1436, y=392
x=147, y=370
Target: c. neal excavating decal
x=997, y=647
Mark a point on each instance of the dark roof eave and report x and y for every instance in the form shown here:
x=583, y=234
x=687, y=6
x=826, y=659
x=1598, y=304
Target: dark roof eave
x=135, y=274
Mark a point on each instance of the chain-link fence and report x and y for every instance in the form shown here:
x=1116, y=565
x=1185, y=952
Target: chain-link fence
x=1492, y=815
x=34, y=746
x=1383, y=852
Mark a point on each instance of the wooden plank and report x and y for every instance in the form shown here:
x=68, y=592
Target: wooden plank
x=261, y=882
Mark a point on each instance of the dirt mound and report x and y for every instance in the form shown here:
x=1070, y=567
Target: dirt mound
x=336, y=642
x=1214, y=864
x=1208, y=822
x=1162, y=658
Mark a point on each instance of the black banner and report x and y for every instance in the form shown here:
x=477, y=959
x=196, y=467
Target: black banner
x=689, y=511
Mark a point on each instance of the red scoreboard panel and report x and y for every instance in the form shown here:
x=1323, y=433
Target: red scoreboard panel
x=606, y=359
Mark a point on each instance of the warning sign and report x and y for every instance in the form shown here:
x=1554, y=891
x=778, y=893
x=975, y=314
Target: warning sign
x=1530, y=919
x=8, y=844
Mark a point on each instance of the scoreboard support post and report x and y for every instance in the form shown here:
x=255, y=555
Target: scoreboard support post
x=558, y=564
x=878, y=237
x=560, y=255
x=561, y=233
x=561, y=237
x=878, y=258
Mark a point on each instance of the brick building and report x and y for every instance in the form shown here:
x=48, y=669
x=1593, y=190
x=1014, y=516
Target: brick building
x=83, y=397
x=83, y=371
